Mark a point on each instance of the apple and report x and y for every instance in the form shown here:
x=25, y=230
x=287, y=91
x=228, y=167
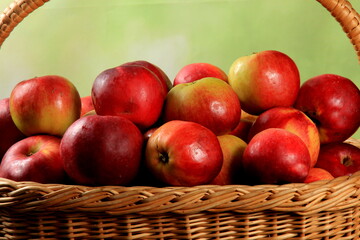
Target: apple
x=332, y=102
x=196, y=71
x=102, y=150
x=34, y=158
x=339, y=158
x=232, y=148
x=10, y=134
x=294, y=121
x=264, y=80
x=130, y=91
x=316, y=174
x=164, y=79
x=44, y=105
x=243, y=128
x=86, y=105
x=276, y=155
x=209, y=101
x=183, y=153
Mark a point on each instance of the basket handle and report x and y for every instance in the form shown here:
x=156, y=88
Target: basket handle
x=341, y=10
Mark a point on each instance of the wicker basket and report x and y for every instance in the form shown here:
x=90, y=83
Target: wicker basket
x=319, y=210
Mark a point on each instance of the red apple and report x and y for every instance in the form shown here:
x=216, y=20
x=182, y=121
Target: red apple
x=86, y=105
x=294, y=121
x=265, y=80
x=164, y=79
x=340, y=159
x=133, y=92
x=102, y=150
x=316, y=174
x=232, y=148
x=44, y=105
x=197, y=71
x=35, y=158
x=333, y=103
x=243, y=128
x=10, y=134
x=276, y=155
x=183, y=153
x=208, y=101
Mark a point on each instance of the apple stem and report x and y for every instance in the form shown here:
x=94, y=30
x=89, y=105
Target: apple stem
x=164, y=157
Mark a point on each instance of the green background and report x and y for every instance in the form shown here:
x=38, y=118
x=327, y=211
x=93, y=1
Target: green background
x=79, y=39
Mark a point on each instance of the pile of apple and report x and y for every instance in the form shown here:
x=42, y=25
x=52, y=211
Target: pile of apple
x=255, y=125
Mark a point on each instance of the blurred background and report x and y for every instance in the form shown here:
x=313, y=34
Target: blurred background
x=79, y=39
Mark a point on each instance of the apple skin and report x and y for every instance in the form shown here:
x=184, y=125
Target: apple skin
x=44, y=105
x=340, y=158
x=316, y=174
x=196, y=71
x=275, y=156
x=294, y=121
x=232, y=148
x=210, y=102
x=165, y=81
x=102, y=150
x=10, y=134
x=86, y=105
x=182, y=153
x=265, y=80
x=35, y=158
x=129, y=91
x=243, y=128
x=332, y=102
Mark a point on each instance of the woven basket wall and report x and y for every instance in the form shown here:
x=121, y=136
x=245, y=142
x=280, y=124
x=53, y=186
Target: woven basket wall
x=319, y=210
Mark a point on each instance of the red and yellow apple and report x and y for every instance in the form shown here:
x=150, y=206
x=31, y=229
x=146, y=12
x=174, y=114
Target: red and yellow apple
x=294, y=121
x=231, y=172
x=210, y=102
x=264, y=80
x=35, y=158
x=275, y=156
x=183, y=153
x=102, y=150
x=130, y=91
x=196, y=71
x=243, y=128
x=317, y=174
x=339, y=158
x=86, y=105
x=44, y=105
x=333, y=103
x=9, y=133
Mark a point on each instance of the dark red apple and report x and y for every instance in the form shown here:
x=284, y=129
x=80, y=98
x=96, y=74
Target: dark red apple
x=183, y=153
x=209, y=101
x=35, y=158
x=9, y=133
x=102, y=150
x=339, y=158
x=333, y=103
x=265, y=80
x=133, y=92
x=167, y=85
x=276, y=155
x=197, y=71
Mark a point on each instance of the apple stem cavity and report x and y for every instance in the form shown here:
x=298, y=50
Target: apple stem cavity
x=164, y=157
x=346, y=161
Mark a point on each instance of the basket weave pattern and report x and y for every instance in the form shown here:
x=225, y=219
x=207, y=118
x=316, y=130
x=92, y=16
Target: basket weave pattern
x=319, y=210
